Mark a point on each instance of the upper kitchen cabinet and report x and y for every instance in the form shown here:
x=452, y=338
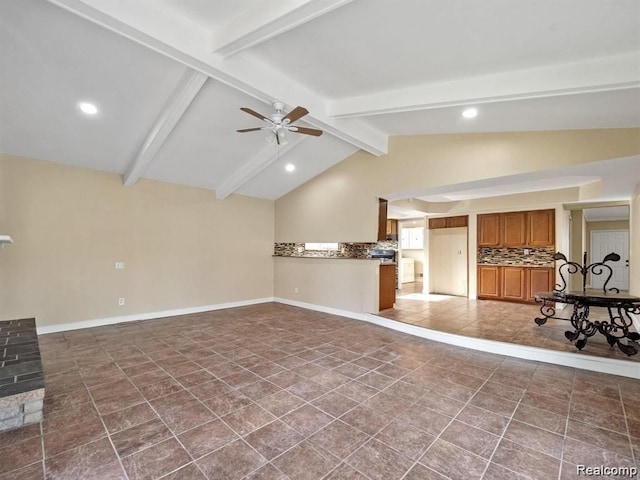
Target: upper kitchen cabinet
x=541, y=228
x=382, y=219
x=489, y=230
x=514, y=229
x=534, y=228
x=392, y=229
x=448, y=222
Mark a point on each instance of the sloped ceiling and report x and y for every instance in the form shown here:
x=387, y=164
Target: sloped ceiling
x=169, y=76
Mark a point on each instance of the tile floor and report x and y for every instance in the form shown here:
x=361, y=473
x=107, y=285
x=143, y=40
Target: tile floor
x=494, y=320
x=278, y=392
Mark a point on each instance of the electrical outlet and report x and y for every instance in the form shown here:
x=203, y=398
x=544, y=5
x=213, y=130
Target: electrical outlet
x=295, y=290
x=121, y=301
x=119, y=265
x=526, y=251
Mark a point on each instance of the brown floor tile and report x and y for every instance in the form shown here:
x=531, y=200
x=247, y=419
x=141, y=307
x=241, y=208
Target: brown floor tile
x=405, y=439
x=81, y=462
x=307, y=419
x=526, y=461
x=189, y=472
x=155, y=462
x=339, y=439
x=11, y=437
x=308, y=390
x=160, y=389
x=139, y=437
x=267, y=472
x=420, y=472
x=227, y=402
x=207, y=438
x=535, y=438
x=472, y=439
x=63, y=439
x=128, y=417
x=345, y=472
x=305, y=462
x=20, y=454
x=441, y=404
x=425, y=419
x=546, y=420
x=258, y=390
x=379, y=462
x=387, y=404
x=248, y=419
x=233, y=461
x=273, y=439
x=494, y=404
x=498, y=472
x=334, y=403
x=453, y=462
x=366, y=419
x=581, y=453
x=34, y=471
x=599, y=437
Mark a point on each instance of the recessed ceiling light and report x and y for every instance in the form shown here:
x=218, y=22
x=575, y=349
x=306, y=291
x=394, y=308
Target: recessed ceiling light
x=88, y=108
x=470, y=113
x=289, y=167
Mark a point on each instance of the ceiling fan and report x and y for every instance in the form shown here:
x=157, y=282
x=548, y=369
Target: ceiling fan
x=279, y=123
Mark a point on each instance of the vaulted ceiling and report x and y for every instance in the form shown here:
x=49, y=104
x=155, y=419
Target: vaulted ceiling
x=169, y=76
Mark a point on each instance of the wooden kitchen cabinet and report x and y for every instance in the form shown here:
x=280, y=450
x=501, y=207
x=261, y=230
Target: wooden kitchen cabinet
x=387, y=293
x=440, y=222
x=392, y=229
x=514, y=229
x=459, y=221
x=535, y=228
x=539, y=280
x=382, y=219
x=489, y=281
x=513, y=283
x=489, y=230
x=541, y=228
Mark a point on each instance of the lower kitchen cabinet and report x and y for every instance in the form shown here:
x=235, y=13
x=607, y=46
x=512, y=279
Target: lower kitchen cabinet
x=387, y=294
x=513, y=283
x=489, y=281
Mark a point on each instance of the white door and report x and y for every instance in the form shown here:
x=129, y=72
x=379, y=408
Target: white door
x=604, y=242
x=448, y=261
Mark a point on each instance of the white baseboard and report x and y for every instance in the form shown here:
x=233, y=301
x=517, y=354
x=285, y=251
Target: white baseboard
x=100, y=322
x=322, y=308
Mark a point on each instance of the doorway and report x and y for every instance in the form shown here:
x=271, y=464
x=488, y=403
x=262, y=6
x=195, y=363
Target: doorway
x=448, y=266
x=604, y=242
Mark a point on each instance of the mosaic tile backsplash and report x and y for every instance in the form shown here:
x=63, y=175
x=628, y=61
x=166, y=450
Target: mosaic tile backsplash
x=540, y=257
x=345, y=250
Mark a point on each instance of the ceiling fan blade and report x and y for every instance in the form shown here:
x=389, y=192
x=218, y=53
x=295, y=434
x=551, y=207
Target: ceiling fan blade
x=249, y=129
x=306, y=131
x=295, y=114
x=254, y=113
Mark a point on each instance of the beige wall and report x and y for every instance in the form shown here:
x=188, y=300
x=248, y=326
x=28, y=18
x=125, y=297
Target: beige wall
x=341, y=203
x=182, y=248
x=634, y=243
x=349, y=285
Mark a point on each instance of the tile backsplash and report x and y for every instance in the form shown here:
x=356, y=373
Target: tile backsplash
x=345, y=250
x=541, y=257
